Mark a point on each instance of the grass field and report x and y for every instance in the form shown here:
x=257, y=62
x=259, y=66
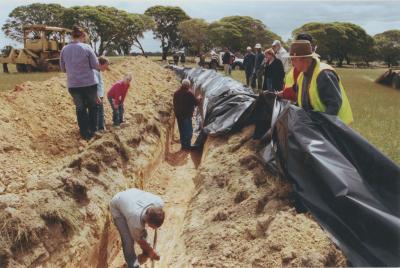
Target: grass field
x=375, y=107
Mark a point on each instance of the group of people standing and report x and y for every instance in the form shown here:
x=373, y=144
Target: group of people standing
x=85, y=85
x=298, y=76
x=265, y=71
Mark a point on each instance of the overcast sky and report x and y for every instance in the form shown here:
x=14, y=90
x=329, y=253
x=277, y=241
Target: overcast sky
x=280, y=17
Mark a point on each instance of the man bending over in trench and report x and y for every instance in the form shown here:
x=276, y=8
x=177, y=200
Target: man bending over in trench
x=131, y=211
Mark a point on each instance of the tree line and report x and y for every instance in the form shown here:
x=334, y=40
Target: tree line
x=116, y=31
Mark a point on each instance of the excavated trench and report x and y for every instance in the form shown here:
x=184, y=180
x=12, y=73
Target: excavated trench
x=223, y=208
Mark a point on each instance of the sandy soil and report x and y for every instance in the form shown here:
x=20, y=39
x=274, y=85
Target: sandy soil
x=241, y=216
x=173, y=180
x=223, y=210
x=55, y=189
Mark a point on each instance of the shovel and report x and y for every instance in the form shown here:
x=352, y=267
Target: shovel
x=154, y=246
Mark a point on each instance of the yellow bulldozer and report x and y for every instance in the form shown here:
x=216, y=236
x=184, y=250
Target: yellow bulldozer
x=41, y=52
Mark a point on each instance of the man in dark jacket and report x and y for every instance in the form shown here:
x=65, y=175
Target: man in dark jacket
x=248, y=63
x=184, y=104
x=226, y=60
x=257, y=77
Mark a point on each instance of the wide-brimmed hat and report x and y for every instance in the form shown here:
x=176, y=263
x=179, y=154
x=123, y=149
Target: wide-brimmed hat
x=257, y=46
x=301, y=49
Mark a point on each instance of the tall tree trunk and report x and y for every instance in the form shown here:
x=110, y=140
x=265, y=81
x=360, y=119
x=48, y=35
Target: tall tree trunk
x=165, y=47
x=139, y=45
x=164, y=53
x=126, y=49
x=348, y=60
x=340, y=61
x=101, y=48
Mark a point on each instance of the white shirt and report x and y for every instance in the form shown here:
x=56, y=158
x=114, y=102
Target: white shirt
x=132, y=205
x=100, y=84
x=283, y=55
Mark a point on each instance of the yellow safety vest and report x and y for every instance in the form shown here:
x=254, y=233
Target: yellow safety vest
x=345, y=113
x=289, y=78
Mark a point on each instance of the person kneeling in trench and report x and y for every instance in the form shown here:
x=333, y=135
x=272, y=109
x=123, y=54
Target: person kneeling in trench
x=131, y=211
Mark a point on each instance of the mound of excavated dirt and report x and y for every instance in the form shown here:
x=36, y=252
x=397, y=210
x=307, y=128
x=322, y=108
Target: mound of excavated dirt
x=240, y=216
x=54, y=190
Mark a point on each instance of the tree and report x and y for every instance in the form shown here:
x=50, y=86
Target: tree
x=195, y=33
x=48, y=14
x=359, y=44
x=130, y=30
x=167, y=19
x=251, y=30
x=388, y=46
x=98, y=24
x=224, y=34
x=339, y=41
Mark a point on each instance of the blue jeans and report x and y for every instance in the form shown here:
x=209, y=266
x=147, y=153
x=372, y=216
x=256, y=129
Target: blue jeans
x=100, y=116
x=118, y=113
x=86, y=109
x=185, y=131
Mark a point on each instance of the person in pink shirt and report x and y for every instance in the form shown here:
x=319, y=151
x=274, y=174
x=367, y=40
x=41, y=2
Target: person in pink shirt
x=116, y=96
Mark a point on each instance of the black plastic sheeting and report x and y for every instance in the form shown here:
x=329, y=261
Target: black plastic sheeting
x=350, y=187
x=346, y=183
x=227, y=104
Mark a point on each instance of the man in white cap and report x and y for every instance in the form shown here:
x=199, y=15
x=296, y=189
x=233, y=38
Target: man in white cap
x=258, y=71
x=248, y=64
x=282, y=54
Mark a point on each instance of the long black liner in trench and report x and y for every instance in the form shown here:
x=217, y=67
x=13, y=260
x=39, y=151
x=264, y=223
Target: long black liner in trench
x=350, y=187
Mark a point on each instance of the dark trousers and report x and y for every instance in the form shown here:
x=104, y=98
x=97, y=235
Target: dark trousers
x=86, y=109
x=268, y=85
x=185, y=131
x=118, y=113
x=100, y=116
x=257, y=82
x=248, y=78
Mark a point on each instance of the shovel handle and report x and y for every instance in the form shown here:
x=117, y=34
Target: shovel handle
x=154, y=246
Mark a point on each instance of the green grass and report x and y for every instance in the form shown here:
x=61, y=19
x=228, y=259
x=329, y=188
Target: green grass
x=8, y=81
x=375, y=107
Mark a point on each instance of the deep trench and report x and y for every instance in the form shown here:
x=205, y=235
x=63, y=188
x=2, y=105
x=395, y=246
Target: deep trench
x=171, y=176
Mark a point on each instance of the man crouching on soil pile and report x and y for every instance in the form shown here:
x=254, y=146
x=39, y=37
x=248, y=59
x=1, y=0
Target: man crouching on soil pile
x=131, y=211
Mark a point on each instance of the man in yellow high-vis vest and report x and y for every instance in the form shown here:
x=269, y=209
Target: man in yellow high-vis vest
x=319, y=86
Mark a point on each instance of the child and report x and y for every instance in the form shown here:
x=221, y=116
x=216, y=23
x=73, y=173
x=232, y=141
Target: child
x=116, y=96
x=103, y=65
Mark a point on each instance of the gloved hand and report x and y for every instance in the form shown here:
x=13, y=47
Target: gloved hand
x=154, y=256
x=142, y=258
